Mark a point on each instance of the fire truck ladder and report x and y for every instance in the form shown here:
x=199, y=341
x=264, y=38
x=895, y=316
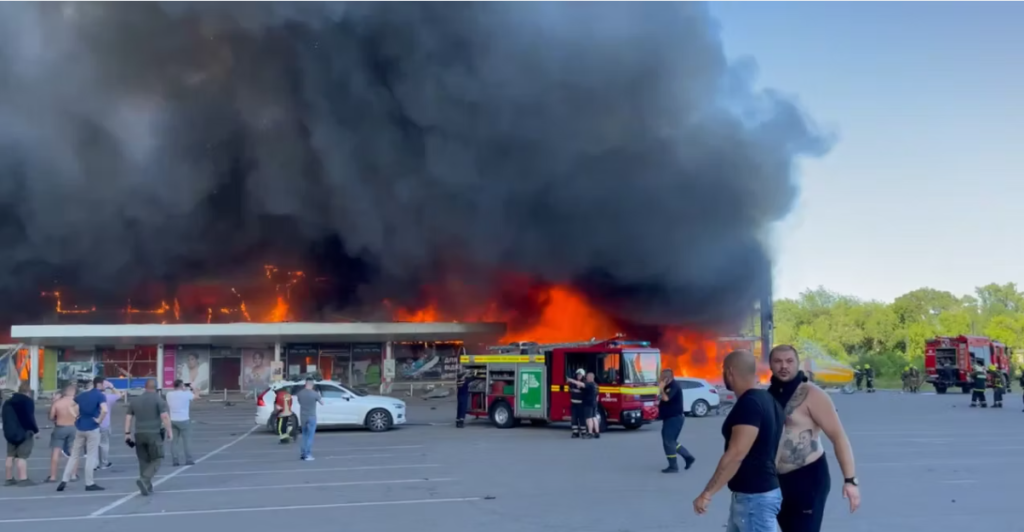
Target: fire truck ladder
x=533, y=348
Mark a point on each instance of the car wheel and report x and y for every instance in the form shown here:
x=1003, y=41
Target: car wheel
x=700, y=408
x=501, y=415
x=378, y=420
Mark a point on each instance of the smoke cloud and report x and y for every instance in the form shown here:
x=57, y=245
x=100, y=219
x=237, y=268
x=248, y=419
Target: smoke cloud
x=607, y=145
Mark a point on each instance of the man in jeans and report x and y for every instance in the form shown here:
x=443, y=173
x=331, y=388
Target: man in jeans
x=308, y=398
x=89, y=410
x=751, y=431
x=111, y=396
x=178, y=403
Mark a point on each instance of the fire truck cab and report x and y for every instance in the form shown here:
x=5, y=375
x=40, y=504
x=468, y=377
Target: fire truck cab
x=527, y=381
x=949, y=361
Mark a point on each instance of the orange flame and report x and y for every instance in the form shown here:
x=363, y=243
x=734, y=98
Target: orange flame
x=279, y=313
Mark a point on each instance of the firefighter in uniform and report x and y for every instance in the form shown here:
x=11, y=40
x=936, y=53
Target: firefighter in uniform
x=905, y=377
x=997, y=386
x=1021, y=381
x=462, y=388
x=980, y=378
x=869, y=375
x=283, y=405
x=579, y=424
x=915, y=379
x=859, y=375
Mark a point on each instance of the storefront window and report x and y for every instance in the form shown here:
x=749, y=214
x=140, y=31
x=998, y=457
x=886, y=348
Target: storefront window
x=128, y=368
x=340, y=358
x=366, y=365
x=426, y=362
x=76, y=366
x=302, y=361
x=256, y=368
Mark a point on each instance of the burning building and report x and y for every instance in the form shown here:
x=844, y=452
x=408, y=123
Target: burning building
x=565, y=169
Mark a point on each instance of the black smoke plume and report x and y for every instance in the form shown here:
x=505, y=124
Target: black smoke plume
x=389, y=146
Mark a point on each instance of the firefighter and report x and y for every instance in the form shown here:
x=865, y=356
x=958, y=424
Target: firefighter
x=462, y=379
x=980, y=378
x=579, y=424
x=283, y=405
x=869, y=376
x=997, y=386
x=859, y=375
x=905, y=377
x=915, y=379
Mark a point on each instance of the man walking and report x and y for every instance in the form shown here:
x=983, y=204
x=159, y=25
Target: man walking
x=152, y=426
x=670, y=412
x=111, y=396
x=308, y=399
x=590, y=411
x=89, y=410
x=752, y=431
x=62, y=438
x=19, y=418
x=803, y=469
x=179, y=402
x=869, y=376
x=462, y=389
x=576, y=386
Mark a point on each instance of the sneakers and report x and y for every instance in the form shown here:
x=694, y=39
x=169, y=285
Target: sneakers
x=94, y=487
x=10, y=482
x=143, y=487
x=62, y=485
x=25, y=483
x=597, y=435
x=189, y=462
x=107, y=465
x=307, y=458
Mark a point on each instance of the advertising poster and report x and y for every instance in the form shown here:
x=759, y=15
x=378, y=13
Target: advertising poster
x=276, y=371
x=169, y=367
x=256, y=368
x=193, y=364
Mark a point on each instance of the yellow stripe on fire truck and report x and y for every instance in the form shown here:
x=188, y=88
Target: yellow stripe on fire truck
x=500, y=359
x=652, y=390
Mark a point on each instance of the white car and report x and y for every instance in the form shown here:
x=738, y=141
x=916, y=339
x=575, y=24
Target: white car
x=342, y=407
x=699, y=396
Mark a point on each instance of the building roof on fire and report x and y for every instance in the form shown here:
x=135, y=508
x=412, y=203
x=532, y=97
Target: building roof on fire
x=243, y=334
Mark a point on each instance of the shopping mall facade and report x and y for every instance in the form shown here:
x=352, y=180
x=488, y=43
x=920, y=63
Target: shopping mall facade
x=240, y=356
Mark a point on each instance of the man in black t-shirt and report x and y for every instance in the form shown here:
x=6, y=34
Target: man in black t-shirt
x=751, y=431
x=590, y=407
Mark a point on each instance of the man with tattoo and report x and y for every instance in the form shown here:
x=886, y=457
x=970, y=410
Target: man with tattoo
x=751, y=431
x=802, y=466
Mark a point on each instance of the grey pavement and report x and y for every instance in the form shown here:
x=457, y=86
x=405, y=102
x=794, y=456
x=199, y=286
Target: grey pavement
x=923, y=460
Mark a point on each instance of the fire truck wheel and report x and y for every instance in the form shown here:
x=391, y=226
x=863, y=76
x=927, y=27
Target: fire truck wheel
x=940, y=389
x=502, y=416
x=700, y=408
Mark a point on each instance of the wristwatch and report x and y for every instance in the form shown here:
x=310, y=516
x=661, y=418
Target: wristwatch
x=852, y=481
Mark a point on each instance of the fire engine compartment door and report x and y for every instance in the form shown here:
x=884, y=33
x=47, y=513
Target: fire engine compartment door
x=531, y=396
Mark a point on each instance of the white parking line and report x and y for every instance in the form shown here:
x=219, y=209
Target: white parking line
x=305, y=470
x=159, y=481
x=239, y=488
x=276, y=450
x=250, y=509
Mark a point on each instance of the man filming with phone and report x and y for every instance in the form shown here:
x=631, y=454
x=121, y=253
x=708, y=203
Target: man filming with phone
x=152, y=427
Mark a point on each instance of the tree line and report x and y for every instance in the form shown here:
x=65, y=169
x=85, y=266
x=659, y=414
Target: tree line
x=890, y=336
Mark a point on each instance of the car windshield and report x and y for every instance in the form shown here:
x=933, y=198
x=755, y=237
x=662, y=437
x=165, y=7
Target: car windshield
x=641, y=368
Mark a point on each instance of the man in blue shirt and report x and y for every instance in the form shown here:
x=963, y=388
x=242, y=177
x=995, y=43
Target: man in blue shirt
x=89, y=409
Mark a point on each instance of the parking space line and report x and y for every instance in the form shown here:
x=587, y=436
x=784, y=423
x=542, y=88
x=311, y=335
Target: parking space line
x=311, y=469
x=247, y=460
x=278, y=449
x=159, y=481
x=235, y=488
x=249, y=509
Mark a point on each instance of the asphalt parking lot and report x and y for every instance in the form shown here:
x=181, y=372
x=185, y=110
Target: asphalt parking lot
x=923, y=460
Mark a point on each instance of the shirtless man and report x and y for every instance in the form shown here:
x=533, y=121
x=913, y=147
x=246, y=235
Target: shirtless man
x=63, y=434
x=801, y=463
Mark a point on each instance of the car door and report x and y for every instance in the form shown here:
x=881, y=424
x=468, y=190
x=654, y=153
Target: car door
x=689, y=389
x=336, y=409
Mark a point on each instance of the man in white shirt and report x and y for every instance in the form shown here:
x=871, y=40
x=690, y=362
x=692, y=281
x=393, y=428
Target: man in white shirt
x=178, y=402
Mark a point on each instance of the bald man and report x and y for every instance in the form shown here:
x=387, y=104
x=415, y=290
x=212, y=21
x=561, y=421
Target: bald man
x=751, y=431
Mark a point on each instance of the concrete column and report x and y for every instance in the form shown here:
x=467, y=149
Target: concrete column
x=277, y=351
x=33, y=372
x=160, y=366
x=387, y=362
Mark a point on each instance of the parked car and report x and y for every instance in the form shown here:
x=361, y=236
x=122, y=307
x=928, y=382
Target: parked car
x=699, y=396
x=343, y=407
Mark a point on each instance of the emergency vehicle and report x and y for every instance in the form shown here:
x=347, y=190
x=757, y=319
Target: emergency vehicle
x=527, y=381
x=949, y=361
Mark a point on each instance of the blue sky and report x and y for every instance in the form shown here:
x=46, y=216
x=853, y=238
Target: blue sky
x=925, y=186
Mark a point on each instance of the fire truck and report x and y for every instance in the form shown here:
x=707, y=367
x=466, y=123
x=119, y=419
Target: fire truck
x=527, y=381
x=949, y=361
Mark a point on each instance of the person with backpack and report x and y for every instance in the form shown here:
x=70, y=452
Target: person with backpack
x=19, y=419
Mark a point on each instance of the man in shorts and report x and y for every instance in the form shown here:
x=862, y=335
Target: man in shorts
x=20, y=429
x=63, y=435
x=590, y=412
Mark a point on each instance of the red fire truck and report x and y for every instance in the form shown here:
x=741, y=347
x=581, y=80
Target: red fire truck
x=949, y=361
x=527, y=381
